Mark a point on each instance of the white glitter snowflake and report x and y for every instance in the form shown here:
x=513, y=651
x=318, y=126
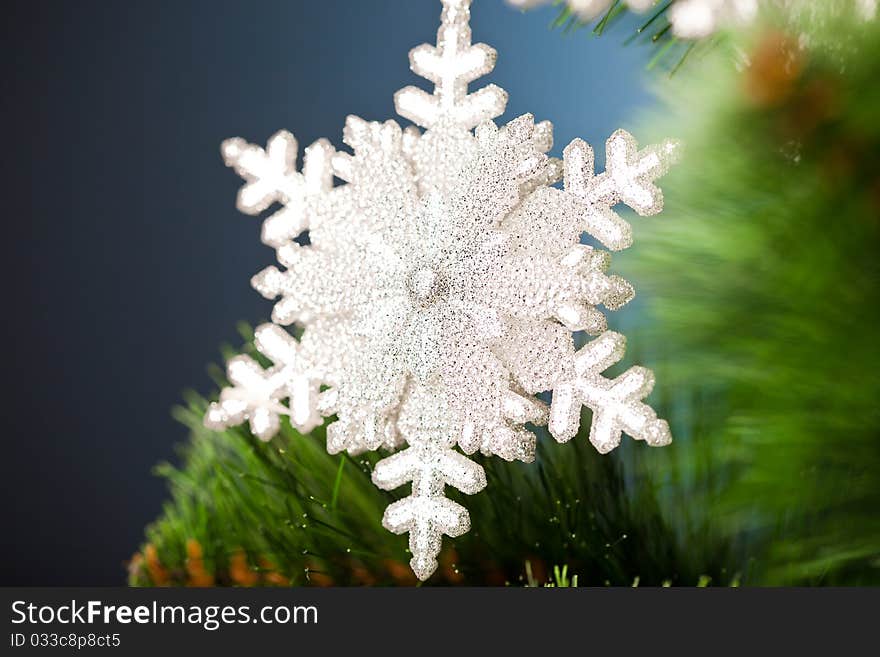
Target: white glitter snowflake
x=440, y=286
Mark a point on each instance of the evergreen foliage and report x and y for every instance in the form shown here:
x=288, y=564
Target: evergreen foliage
x=762, y=282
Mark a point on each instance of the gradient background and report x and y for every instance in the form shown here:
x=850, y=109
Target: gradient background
x=125, y=264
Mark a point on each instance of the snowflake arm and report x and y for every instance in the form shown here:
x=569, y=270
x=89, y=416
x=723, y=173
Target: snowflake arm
x=616, y=403
x=254, y=396
x=270, y=176
x=593, y=287
x=451, y=65
x=257, y=394
x=628, y=178
x=285, y=352
x=427, y=514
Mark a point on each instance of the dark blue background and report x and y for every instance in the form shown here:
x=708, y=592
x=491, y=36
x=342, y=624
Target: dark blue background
x=125, y=264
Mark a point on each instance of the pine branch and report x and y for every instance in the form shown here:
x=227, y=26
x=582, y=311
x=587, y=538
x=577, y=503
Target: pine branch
x=650, y=29
x=764, y=288
x=287, y=513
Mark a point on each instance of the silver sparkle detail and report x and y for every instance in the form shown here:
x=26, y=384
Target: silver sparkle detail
x=442, y=282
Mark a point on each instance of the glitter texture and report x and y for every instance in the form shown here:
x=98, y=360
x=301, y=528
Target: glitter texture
x=440, y=287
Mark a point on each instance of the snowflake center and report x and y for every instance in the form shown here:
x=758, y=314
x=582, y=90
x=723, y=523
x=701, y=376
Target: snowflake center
x=426, y=286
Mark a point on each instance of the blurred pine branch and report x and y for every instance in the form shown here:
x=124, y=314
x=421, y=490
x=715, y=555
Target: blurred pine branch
x=650, y=29
x=763, y=280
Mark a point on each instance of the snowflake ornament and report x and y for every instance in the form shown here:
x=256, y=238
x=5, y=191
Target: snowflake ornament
x=440, y=286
